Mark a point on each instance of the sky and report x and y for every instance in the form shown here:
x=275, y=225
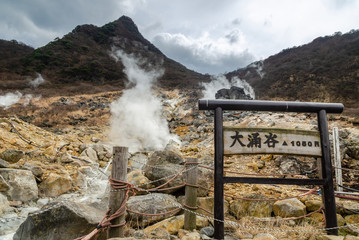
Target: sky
x=208, y=36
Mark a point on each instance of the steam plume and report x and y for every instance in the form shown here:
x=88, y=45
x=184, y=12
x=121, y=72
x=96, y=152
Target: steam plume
x=136, y=116
x=7, y=100
x=220, y=81
x=37, y=81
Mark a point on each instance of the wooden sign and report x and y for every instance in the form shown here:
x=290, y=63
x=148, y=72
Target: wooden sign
x=271, y=141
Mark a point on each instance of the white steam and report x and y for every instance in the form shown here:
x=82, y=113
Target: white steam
x=37, y=81
x=9, y=99
x=136, y=116
x=220, y=81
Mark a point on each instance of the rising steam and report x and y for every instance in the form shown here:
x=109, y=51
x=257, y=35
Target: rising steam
x=37, y=81
x=9, y=99
x=136, y=116
x=220, y=81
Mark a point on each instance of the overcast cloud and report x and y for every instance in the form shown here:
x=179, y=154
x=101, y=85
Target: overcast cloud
x=208, y=36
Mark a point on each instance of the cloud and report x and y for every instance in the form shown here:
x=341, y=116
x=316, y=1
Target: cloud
x=38, y=22
x=194, y=33
x=205, y=54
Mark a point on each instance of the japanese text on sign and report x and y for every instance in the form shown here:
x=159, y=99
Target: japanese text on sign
x=271, y=140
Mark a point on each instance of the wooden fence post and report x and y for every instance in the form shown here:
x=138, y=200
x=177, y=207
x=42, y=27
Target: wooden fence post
x=119, y=172
x=191, y=194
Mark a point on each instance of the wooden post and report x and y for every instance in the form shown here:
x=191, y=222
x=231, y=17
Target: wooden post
x=119, y=172
x=191, y=194
x=328, y=187
x=218, y=175
x=337, y=160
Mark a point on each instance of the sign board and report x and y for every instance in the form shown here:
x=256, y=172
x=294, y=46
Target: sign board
x=271, y=141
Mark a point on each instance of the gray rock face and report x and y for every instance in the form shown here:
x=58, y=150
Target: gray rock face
x=162, y=164
x=96, y=152
x=22, y=184
x=35, y=169
x=242, y=208
x=64, y=221
x=4, y=164
x=12, y=155
x=232, y=93
x=90, y=153
x=289, y=208
x=4, y=204
x=152, y=204
x=138, y=161
x=353, y=147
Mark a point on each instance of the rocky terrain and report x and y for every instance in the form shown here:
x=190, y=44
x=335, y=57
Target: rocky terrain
x=63, y=166
x=57, y=137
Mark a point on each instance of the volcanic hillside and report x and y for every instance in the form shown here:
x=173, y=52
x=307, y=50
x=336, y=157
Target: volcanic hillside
x=327, y=69
x=82, y=58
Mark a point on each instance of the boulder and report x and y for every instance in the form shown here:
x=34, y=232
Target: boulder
x=4, y=186
x=352, y=148
x=352, y=219
x=313, y=205
x=208, y=204
x=289, y=208
x=4, y=164
x=159, y=233
x=64, y=157
x=192, y=236
x=264, y=236
x=319, y=218
x=138, y=161
x=346, y=207
x=173, y=224
x=154, y=203
x=137, y=178
x=34, y=168
x=161, y=173
x=207, y=231
x=169, y=155
x=232, y=93
x=90, y=153
x=62, y=220
x=242, y=208
x=4, y=204
x=55, y=185
x=22, y=184
x=163, y=164
x=12, y=155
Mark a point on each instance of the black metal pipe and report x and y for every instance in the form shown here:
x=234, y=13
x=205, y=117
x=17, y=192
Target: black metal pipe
x=270, y=106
